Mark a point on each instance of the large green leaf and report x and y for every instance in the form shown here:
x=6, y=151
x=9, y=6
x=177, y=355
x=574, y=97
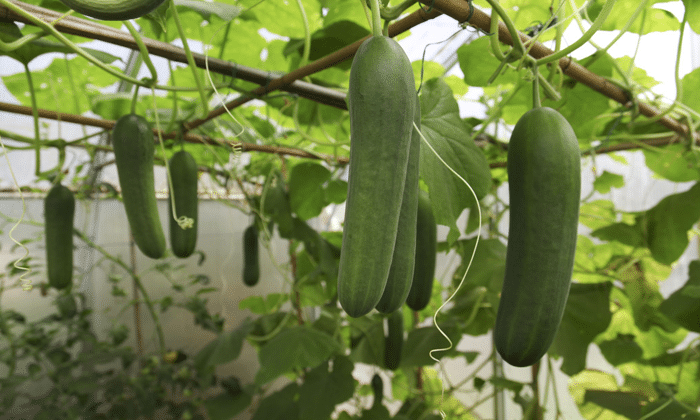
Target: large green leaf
x=656, y=20
x=586, y=315
x=674, y=162
x=306, y=192
x=683, y=306
x=224, y=348
x=226, y=406
x=478, y=64
x=448, y=135
x=667, y=224
x=324, y=388
x=294, y=348
x=280, y=405
x=421, y=341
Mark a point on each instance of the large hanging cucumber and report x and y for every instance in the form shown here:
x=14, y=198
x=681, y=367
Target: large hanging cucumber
x=426, y=255
x=132, y=140
x=251, y=264
x=113, y=9
x=393, y=342
x=183, y=173
x=544, y=175
x=59, y=212
x=381, y=101
x=398, y=283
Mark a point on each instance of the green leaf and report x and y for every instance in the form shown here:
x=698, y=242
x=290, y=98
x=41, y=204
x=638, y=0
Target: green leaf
x=657, y=20
x=280, y=405
x=224, y=348
x=478, y=64
x=683, y=305
x=225, y=406
x=367, y=340
x=336, y=191
x=328, y=40
x=690, y=85
x=322, y=389
x=306, y=193
x=673, y=162
x=621, y=232
x=606, y=181
x=621, y=349
x=692, y=10
x=420, y=341
x=447, y=133
x=587, y=380
x=586, y=315
x=627, y=404
x=262, y=304
x=294, y=348
x=667, y=224
x=669, y=409
x=224, y=11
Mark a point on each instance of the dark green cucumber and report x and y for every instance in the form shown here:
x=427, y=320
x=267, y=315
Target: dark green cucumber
x=393, y=342
x=398, y=283
x=251, y=265
x=377, y=390
x=544, y=175
x=132, y=140
x=113, y=9
x=381, y=101
x=59, y=213
x=183, y=172
x=426, y=255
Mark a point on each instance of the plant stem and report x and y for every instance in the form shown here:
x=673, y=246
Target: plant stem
x=376, y=18
x=190, y=60
x=584, y=38
x=35, y=119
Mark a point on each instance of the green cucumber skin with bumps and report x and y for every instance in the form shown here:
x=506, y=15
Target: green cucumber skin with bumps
x=59, y=214
x=183, y=173
x=544, y=173
x=251, y=264
x=400, y=278
x=426, y=255
x=393, y=342
x=113, y=9
x=381, y=102
x=132, y=140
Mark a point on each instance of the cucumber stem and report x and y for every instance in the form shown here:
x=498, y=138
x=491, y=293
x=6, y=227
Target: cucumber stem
x=376, y=18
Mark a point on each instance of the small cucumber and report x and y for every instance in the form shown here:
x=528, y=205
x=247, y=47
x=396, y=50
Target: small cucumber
x=183, y=172
x=377, y=390
x=132, y=140
x=113, y=9
x=544, y=175
x=251, y=265
x=400, y=278
x=426, y=255
x=381, y=101
x=59, y=212
x=393, y=342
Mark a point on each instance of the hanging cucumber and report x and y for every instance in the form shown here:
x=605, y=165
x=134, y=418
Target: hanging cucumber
x=544, y=175
x=251, y=265
x=183, y=173
x=113, y=9
x=59, y=212
x=381, y=101
x=398, y=283
x=393, y=342
x=426, y=255
x=132, y=140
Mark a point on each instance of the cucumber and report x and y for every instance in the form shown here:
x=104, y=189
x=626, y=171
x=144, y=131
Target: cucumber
x=113, y=9
x=59, y=213
x=183, y=172
x=132, y=140
x=393, y=341
x=251, y=265
x=544, y=175
x=400, y=278
x=426, y=255
x=377, y=390
x=381, y=101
